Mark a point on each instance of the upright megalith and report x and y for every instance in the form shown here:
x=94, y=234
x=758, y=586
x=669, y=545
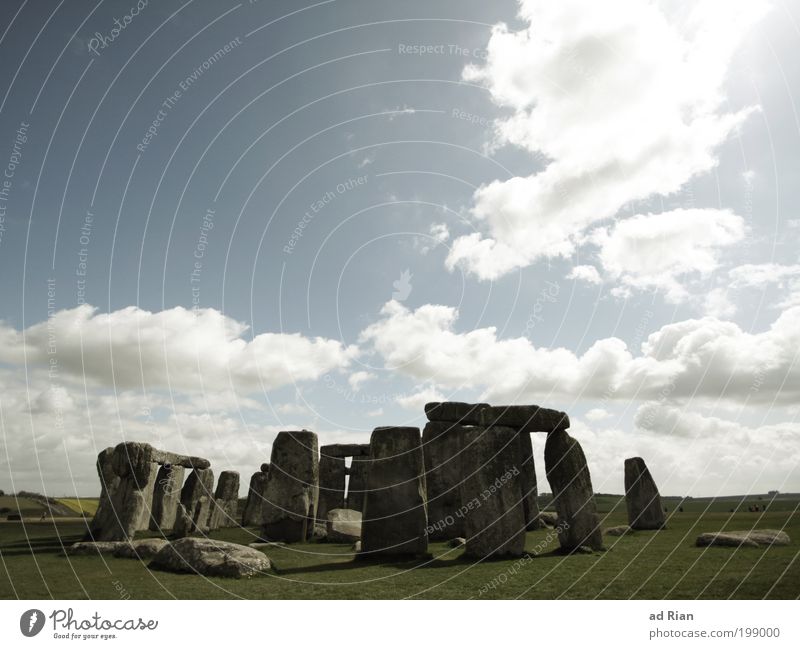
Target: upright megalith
x=571, y=483
x=128, y=475
x=199, y=484
x=332, y=475
x=443, y=446
x=292, y=492
x=251, y=517
x=641, y=497
x=527, y=419
x=491, y=493
x=395, y=513
x=225, y=504
x=166, y=496
x=528, y=486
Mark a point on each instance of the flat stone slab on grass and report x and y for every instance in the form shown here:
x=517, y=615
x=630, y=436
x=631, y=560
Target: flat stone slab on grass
x=211, y=558
x=748, y=538
x=88, y=548
x=141, y=549
x=343, y=526
x=619, y=530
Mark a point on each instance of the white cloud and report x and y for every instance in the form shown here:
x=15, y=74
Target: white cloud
x=586, y=274
x=176, y=348
x=623, y=99
x=718, y=305
x=760, y=276
x=597, y=414
x=702, y=358
x=418, y=399
x=654, y=251
x=357, y=379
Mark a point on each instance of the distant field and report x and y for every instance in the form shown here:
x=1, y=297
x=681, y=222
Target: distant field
x=81, y=505
x=33, y=508
x=643, y=565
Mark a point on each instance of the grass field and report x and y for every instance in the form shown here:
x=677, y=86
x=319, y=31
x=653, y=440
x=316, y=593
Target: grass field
x=81, y=505
x=647, y=565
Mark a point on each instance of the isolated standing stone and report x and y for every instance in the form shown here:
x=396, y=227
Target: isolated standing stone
x=466, y=414
x=199, y=484
x=443, y=446
x=290, y=501
x=528, y=419
x=255, y=500
x=494, y=518
x=571, y=483
x=530, y=491
x=166, y=497
x=225, y=503
x=641, y=497
x=395, y=515
x=332, y=473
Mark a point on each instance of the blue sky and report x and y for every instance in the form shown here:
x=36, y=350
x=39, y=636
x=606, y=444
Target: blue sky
x=324, y=215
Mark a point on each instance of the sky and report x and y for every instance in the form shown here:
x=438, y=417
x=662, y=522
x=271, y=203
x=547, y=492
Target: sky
x=221, y=220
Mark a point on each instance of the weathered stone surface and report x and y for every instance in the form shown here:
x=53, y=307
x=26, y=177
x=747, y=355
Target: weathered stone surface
x=199, y=484
x=292, y=492
x=395, y=515
x=211, y=558
x=530, y=491
x=458, y=542
x=619, y=530
x=494, y=522
x=356, y=547
x=225, y=504
x=747, y=538
x=528, y=419
x=82, y=548
x=343, y=526
x=184, y=525
x=166, y=497
x=140, y=548
x=642, y=499
x=128, y=476
x=332, y=474
x=443, y=444
x=466, y=414
x=176, y=459
x=357, y=486
x=320, y=532
x=251, y=516
x=571, y=485
x=265, y=468
x=344, y=450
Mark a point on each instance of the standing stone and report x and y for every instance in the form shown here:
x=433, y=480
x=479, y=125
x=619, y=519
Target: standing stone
x=255, y=499
x=109, y=483
x=571, y=483
x=395, y=513
x=530, y=491
x=225, y=503
x=443, y=445
x=641, y=497
x=166, y=497
x=357, y=486
x=332, y=473
x=184, y=525
x=494, y=515
x=199, y=484
x=290, y=501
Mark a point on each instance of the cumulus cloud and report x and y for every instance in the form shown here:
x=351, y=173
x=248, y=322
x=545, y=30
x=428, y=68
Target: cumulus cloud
x=785, y=277
x=417, y=400
x=703, y=358
x=654, y=251
x=357, y=379
x=586, y=274
x=623, y=100
x=177, y=348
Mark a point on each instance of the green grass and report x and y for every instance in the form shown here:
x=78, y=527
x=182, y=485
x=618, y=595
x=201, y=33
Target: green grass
x=81, y=505
x=24, y=506
x=642, y=565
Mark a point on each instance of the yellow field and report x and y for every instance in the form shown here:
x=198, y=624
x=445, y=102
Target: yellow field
x=79, y=505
